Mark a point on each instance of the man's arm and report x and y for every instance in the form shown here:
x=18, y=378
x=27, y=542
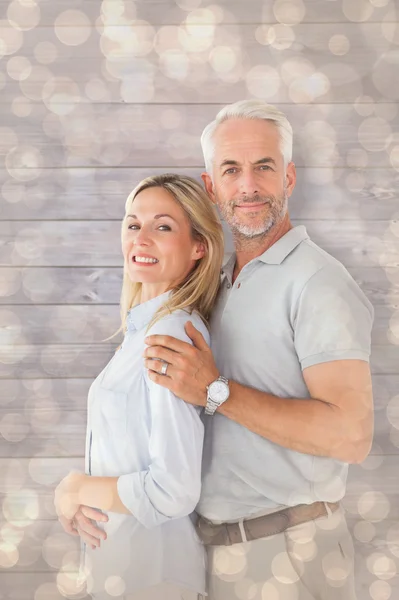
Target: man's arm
x=336, y=421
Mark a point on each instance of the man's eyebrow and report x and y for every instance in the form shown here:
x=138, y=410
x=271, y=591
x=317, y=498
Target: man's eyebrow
x=155, y=216
x=261, y=161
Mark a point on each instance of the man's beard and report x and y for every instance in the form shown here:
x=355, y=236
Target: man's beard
x=277, y=210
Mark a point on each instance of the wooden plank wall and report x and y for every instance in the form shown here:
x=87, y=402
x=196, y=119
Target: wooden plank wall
x=96, y=95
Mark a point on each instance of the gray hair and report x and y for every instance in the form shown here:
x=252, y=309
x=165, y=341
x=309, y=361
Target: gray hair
x=248, y=109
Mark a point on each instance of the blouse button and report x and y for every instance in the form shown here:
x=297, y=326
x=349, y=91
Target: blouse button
x=228, y=286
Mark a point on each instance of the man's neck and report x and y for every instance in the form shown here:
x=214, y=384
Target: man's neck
x=249, y=248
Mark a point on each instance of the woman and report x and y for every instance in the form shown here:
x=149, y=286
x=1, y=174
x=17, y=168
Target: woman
x=144, y=445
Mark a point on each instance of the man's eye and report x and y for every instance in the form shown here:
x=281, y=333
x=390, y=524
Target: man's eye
x=265, y=167
x=230, y=171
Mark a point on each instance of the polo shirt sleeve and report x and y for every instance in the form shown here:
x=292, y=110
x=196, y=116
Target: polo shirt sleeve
x=333, y=319
x=170, y=487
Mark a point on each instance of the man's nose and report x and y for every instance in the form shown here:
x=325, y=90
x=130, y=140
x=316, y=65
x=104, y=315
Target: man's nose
x=248, y=184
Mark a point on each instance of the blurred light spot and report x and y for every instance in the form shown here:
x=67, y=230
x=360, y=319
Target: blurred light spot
x=380, y=3
x=319, y=143
x=12, y=192
x=10, y=282
x=381, y=566
x=8, y=555
x=21, y=507
x=275, y=590
x=60, y=94
x=96, y=90
x=364, y=531
x=23, y=16
x=10, y=39
x=8, y=139
x=373, y=506
x=355, y=181
x=390, y=29
x=12, y=476
x=394, y=157
x=263, y=81
x=171, y=118
x=364, y=106
x=19, y=68
x=357, y=158
x=357, y=10
x=188, y=4
x=32, y=86
x=380, y=590
x=245, y=589
x=24, y=163
x=112, y=9
x=175, y=64
x=289, y=12
x=336, y=568
x=223, y=59
x=283, y=570
x=29, y=243
x=21, y=106
x=10, y=327
x=393, y=539
x=45, y=591
x=13, y=428
x=72, y=27
x=54, y=548
x=384, y=75
x=114, y=585
x=228, y=561
x=10, y=533
x=374, y=134
x=308, y=89
x=339, y=44
x=45, y=53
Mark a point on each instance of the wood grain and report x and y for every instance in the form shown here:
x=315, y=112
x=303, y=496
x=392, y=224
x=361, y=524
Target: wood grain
x=91, y=286
x=306, y=63
x=162, y=12
x=89, y=244
x=356, y=193
x=137, y=135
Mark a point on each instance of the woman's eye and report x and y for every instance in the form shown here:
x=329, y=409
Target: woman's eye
x=133, y=227
x=164, y=228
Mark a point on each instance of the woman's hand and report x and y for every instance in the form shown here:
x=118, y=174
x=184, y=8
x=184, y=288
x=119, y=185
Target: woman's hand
x=84, y=526
x=66, y=498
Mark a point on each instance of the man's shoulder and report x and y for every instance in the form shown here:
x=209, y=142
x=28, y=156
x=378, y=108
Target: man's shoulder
x=309, y=258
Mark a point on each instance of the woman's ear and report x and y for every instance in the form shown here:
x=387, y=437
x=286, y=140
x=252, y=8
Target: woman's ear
x=199, y=250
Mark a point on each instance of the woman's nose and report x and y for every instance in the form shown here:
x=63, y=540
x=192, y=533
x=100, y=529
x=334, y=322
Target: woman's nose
x=142, y=238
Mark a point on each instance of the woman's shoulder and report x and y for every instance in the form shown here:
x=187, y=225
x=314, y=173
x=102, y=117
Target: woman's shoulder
x=173, y=324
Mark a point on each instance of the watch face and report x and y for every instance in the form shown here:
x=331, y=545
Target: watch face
x=218, y=391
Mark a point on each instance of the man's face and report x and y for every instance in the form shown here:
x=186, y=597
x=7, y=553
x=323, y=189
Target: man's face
x=249, y=183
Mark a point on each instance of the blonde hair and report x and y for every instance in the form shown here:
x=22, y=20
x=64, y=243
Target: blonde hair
x=198, y=290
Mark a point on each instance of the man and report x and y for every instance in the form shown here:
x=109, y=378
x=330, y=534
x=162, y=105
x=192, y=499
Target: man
x=286, y=387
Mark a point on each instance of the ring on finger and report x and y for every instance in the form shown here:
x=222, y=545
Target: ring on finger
x=164, y=368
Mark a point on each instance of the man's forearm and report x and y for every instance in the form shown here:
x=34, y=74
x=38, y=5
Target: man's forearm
x=305, y=425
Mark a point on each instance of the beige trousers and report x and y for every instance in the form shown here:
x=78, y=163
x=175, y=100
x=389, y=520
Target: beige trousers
x=312, y=561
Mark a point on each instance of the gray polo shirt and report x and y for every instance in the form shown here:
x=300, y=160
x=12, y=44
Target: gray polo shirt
x=292, y=307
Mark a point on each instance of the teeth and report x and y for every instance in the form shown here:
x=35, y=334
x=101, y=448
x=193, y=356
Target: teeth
x=143, y=259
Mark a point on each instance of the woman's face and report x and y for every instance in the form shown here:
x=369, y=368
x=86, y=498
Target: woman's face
x=157, y=245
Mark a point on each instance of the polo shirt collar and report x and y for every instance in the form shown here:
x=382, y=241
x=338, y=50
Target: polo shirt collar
x=277, y=253
x=141, y=315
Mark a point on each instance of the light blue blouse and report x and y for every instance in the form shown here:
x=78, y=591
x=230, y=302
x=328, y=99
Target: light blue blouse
x=153, y=441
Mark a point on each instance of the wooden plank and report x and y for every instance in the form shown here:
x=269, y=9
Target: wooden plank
x=80, y=285
x=308, y=63
x=48, y=432
x=45, y=547
x=88, y=193
x=88, y=244
x=165, y=12
x=29, y=484
x=46, y=586
x=138, y=136
x=93, y=324
x=68, y=395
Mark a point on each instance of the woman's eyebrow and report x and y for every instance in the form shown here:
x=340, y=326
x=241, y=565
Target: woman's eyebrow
x=155, y=216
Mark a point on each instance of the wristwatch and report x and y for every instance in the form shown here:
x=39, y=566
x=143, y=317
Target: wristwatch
x=217, y=392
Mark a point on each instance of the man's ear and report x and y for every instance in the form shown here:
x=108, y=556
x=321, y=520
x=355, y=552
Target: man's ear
x=206, y=178
x=290, y=178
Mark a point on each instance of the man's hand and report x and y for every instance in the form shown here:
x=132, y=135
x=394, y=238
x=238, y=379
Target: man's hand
x=190, y=368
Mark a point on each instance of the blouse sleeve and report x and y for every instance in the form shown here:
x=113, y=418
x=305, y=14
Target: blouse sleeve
x=171, y=486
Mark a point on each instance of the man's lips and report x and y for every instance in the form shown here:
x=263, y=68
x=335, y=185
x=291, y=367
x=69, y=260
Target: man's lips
x=248, y=206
